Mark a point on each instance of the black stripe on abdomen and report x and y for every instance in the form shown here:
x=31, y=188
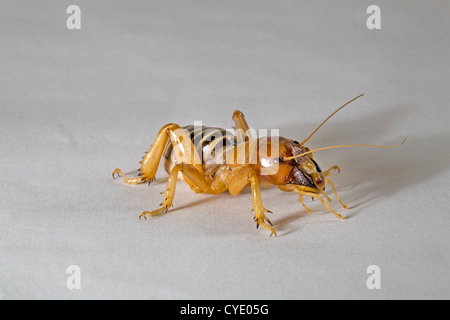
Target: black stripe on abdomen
x=201, y=137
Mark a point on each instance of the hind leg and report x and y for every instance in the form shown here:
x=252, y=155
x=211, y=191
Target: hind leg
x=182, y=146
x=126, y=179
x=150, y=162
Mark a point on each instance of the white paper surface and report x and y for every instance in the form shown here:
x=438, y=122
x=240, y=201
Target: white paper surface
x=76, y=104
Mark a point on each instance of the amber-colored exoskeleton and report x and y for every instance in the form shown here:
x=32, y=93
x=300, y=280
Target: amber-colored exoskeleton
x=213, y=160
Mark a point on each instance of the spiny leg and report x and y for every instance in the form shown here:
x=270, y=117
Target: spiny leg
x=169, y=193
x=235, y=186
x=260, y=217
x=198, y=180
x=183, y=149
x=151, y=159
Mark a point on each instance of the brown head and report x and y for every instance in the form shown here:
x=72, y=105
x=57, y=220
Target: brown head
x=292, y=162
x=273, y=169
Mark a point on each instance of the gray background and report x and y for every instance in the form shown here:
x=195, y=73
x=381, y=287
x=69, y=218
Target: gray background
x=74, y=105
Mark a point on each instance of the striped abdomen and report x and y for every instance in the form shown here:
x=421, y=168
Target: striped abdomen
x=210, y=143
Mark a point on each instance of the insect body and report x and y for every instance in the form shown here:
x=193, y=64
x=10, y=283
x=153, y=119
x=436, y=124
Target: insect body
x=213, y=160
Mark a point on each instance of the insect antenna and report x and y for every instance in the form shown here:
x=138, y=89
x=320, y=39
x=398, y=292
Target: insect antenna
x=303, y=142
x=342, y=146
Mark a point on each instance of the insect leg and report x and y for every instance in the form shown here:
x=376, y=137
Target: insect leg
x=303, y=204
x=335, y=193
x=308, y=189
x=235, y=186
x=185, y=152
x=286, y=188
x=332, y=170
x=151, y=159
x=240, y=125
x=239, y=120
x=200, y=183
x=169, y=193
x=315, y=195
x=127, y=180
x=299, y=189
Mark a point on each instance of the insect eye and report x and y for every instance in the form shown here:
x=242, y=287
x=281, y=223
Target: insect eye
x=296, y=142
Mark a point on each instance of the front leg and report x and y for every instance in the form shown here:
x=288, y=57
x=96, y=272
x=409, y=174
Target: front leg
x=238, y=182
x=302, y=192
